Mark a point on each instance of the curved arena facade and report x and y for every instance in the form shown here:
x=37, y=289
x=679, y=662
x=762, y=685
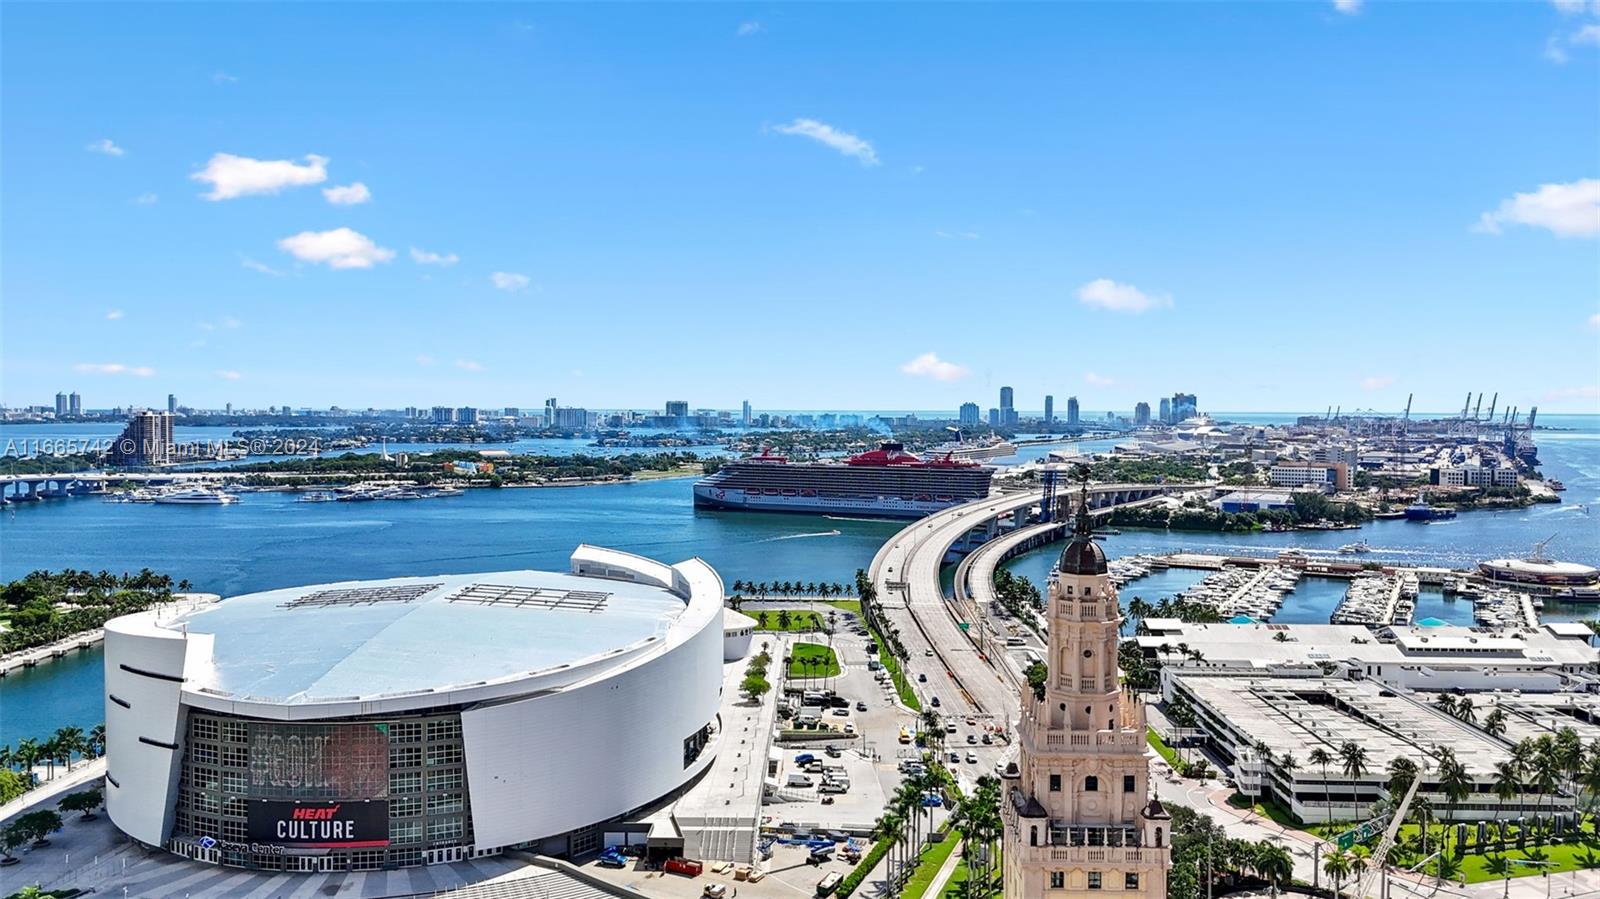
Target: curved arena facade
x=380, y=724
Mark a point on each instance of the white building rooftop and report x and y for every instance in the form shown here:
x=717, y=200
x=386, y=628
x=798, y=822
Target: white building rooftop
x=367, y=639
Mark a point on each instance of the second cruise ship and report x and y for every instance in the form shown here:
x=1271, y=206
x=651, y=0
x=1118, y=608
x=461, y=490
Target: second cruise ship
x=885, y=482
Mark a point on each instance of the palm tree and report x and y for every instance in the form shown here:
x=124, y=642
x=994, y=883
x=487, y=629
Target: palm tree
x=1546, y=776
x=1273, y=864
x=891, y=827
x=1464, y=710
x=1445, y=702
x=1402, y=771
x=1337, y=866
x=1321, y=757
x=1494, y=723
x=783, y=619
x=69, y=740
x=1507, y=783
x=1355, y=763
x=1454, y=782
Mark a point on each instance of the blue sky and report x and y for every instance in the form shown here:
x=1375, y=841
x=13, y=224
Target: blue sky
x=1272, y=205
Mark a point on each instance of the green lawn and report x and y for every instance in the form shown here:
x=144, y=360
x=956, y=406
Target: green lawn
x=1478, y=867
x=928, y=864
x=799, y=620
x=1162, y=749
x=804, y=651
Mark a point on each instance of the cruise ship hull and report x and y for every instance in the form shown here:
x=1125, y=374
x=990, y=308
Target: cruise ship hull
x=711, y=497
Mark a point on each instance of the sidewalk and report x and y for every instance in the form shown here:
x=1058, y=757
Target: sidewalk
x=47, y=792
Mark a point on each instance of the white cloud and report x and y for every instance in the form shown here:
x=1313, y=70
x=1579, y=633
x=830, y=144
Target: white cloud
x=1105, y=293
x=1376, y=382
x=1594, y=322
x=114, y=368
x=233, y=176
x=748, y=28
x=1587, y=392
x=146, y=199
x=113, y=315
x=350, y=195
x=1568, y=7
x=1588, y=34
x=1348, y=7
x=221, y=77
x=425, y=257
x=230, y=323
x=929, y=365
x=468, y=365
x=424, y=359
x=1566, y=210
x=1095, y=380
x=1553, y=50
x=339, y=248
x=229, y=375
x=957, y=235
x=509, y=280
x=105, y=146
x=261, y=267
x=843, y=141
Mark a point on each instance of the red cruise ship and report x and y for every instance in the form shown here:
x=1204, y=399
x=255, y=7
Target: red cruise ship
x=884, y=482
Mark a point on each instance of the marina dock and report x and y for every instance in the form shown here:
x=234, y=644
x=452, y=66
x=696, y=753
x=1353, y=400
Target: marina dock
x=28, y=658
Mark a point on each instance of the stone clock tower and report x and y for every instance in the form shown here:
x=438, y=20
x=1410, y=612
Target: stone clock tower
x=1080, y=820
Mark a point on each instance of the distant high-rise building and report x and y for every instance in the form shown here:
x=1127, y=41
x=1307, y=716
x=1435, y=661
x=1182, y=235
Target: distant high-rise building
x=1166, y=411
x=1184, y=406
x=147, y=440
x=74, y=403
x=1072, y=410
x=1008, y=409
x=550, y=407
x=994, y=417
x=1049, y=409
x=744, y=414
x=228, y=409
x=677, y=409
x=172, y=403
x=61, y=404
x=970, y=415
x=572, y=418
x=467, y=415
x=411, y=412
x=511, y=412
x=1141, y=414
x=444, y=415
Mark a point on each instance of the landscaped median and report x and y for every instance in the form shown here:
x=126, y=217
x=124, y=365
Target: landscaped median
x=908, y=697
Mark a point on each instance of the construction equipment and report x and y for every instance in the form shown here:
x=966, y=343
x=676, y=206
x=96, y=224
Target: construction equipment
x=1492, y=403
x=1395, y=820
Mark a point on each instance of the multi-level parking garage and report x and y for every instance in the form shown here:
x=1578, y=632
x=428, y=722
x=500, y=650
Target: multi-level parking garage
x=378, y=724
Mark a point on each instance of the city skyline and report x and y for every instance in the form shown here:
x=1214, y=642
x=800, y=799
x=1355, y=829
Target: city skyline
x=534, y=193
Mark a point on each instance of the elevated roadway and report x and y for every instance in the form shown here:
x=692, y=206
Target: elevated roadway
x=964, y=672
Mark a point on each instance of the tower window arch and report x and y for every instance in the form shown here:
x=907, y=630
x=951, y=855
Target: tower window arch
x=1091, y=784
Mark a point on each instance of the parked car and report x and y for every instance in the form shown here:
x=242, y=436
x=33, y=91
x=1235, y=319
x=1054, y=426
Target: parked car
x=833, y=752
x=804, y=758
x=841, y=713
x=972, y=757
x=922, y=678
x=714, y=891
x=612, y=858
x=861, y=705
x=935, y=702
x=928, y=653
x=988, y=740
x=955, y=758
x=972, y=739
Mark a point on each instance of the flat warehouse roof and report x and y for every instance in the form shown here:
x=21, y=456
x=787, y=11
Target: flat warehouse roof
x=365, y=639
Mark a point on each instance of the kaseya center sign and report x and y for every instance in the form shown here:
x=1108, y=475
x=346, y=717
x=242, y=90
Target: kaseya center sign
x=320, y=825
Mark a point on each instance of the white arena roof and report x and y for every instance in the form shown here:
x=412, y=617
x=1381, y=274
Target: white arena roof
x=366, y=639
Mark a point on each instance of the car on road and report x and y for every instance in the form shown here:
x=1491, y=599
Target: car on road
x=988, y=740
x=841, y=713
x=612, y=858
x=972, y=721
x=972, y=757
x=935, y=702
x=972, y=739
x=861, y=705
x=955, y=758
x=833, y=752
x=928, y=653
x=922, y=678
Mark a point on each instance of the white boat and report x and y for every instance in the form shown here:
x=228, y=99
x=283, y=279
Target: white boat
x=1355, y=548
x=317, y=496
x=195, y=496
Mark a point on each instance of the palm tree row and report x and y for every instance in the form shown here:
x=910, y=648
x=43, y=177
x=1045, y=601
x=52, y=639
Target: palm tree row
x=58, y=749
x=901, y=823
x=977, y=817
x=791, y=588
